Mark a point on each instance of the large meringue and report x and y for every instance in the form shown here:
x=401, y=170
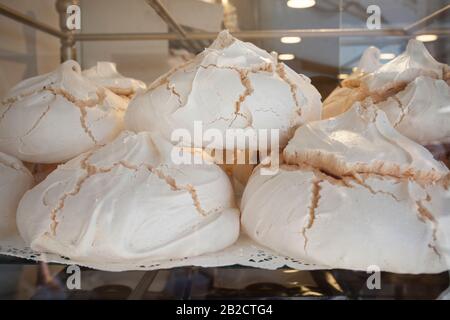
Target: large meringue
x=414, y=62
x=106, y=75
x=339, y=203
x=390, y=80
x=54, y=117
x=15, y=180
x=127, y=201
x=231, y=84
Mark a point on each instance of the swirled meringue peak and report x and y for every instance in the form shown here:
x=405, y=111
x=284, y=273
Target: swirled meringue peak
x=362, y=140
x=387, y=81
x=127, y=201
x=415, y=61
x=106, y=75
x=231, y=84
x=54, y=117
x=15, y=180
x=370, y=60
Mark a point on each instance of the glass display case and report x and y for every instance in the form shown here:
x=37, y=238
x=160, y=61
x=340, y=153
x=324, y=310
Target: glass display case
x=65, y=236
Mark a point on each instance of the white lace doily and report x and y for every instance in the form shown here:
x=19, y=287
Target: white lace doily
x=244, y=252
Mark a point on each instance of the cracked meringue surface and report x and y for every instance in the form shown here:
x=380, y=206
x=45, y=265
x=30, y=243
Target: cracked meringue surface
x=106, y=75
x=361, y=140
x=15, y=180
x=421, y=111
x=54, y=117
x=127, y=201
x=338, y=202
x=413, y=90
x=231, y=84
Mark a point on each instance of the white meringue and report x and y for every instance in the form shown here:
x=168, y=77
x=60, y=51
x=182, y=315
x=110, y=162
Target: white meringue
x=54, y=117
x=15, y=180
x=106, y=75
x=391, y=79
x=370, y=60
x=127, y=201
x=354, y=193
x=232, y=84
x=349, y=223
x=415, y=61
x=421, y=111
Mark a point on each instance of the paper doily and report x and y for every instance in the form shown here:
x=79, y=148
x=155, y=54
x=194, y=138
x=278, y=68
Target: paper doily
x=243, y=252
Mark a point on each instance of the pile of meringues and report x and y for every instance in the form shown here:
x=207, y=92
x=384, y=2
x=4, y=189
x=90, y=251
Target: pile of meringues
x=351, y=191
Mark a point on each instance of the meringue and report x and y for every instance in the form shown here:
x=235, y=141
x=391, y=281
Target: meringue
x=370, y=60
x=15, y=180
x=54, y=117
x=128, y=201
x=361, y=140
x=231, y=84
x=353, y=193
x=349, y=223
x=387, y=80
x=421, y=111
x=343, y=97
x=106, y=75
x=414, y=62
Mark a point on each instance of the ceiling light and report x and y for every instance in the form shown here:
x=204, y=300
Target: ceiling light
x=301, y=3
x=342, y=76
x=427, y=37
x=286, y=56
x=387, y=56
x=291, y=39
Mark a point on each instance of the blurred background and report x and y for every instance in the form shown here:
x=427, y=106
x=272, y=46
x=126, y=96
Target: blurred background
x=25, y=51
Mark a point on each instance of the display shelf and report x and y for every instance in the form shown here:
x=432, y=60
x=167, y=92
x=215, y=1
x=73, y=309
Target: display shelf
x=217, y=283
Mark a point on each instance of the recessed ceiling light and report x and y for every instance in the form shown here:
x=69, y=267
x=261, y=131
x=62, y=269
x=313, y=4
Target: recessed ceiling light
x=342, y=76
x=301, y=3
x=387, y=56
x=291, y=39
x=427, y=37
x=286, y=56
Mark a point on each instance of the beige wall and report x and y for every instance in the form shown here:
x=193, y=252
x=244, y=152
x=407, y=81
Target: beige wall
x=140, y=59
x=25, y=52
x=145, y=60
